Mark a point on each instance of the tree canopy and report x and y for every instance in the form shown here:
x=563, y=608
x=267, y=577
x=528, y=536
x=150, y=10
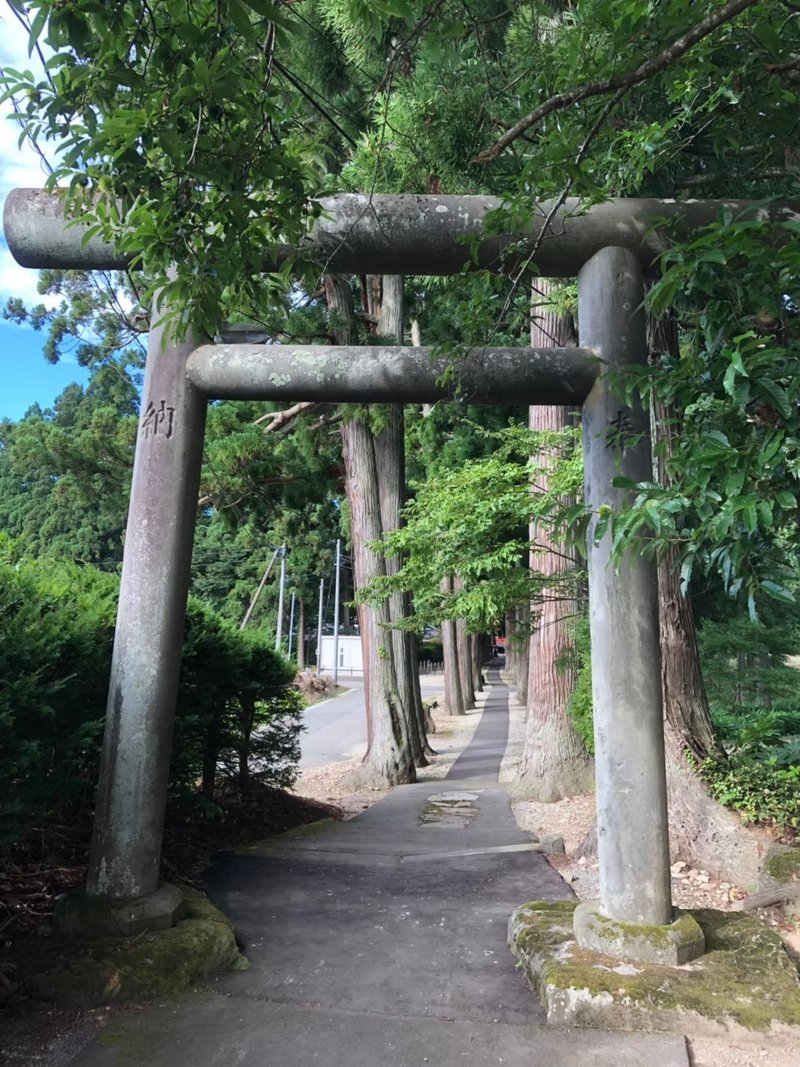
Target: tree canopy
x=198, y=135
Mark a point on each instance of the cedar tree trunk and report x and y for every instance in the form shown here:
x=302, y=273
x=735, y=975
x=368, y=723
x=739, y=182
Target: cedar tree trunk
x=389, y=447
x=555, y=763
x=388, y=758
x=453, y=695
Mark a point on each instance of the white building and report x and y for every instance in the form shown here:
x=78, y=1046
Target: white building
x=349, y=649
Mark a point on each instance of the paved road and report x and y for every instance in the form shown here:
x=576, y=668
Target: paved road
x=336, y=729
x=380, y=942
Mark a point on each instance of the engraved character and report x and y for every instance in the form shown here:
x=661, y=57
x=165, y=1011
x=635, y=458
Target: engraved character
x=158, y=420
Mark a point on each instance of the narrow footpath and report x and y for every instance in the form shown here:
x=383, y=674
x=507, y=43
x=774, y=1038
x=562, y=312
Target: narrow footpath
x=381, y=942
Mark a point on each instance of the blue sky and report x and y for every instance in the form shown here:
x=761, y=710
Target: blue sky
x=25, y=377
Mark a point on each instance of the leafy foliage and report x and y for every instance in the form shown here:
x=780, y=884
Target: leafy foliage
x=760, y=791
x=580, y=702
x=175, y=137
x=745, y=662
x=472, y=522
x=56, y=631
x=731, y=505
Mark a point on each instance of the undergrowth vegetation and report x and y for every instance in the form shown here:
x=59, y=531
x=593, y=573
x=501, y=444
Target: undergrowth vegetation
x=762, y=779
x=237, y=713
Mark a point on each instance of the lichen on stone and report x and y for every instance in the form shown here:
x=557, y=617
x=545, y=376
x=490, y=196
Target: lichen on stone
x=744, y=981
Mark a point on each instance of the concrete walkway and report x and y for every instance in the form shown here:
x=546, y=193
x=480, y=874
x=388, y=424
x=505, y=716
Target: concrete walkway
x=381, y=942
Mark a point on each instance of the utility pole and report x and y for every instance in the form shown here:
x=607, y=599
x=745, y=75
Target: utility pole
x=291, y=626
x=319, y=625
x=279, y=628
x=258, y=592
x=336, y=613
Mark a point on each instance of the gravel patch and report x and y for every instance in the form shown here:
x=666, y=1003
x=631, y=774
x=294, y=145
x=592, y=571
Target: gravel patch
x=572, y=818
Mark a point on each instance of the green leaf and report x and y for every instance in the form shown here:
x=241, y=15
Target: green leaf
x=768, y=36
x=241, y=19
x=777, y=394
x=750, y=517
x=717, y=437
x=600, y=528
x=734, y=483
x=37, y=25
x=266, y=8
x=729, y=381
x=770, y=447
x=714, y=255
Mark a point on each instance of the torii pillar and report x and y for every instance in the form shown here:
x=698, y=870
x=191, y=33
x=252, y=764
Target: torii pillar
x=606, y=247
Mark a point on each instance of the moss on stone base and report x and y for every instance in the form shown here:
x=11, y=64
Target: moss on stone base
x=785, y=866
x=151, y=965
x=745, y=980
x=668, y=945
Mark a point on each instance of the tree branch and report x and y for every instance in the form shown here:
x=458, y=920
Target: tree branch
x=326, y=420
x=646, y=70
x=782, y=68
x=279, y=419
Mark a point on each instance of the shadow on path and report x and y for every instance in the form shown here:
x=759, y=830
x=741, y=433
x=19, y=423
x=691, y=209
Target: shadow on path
x=381, y=942
x=484, y=754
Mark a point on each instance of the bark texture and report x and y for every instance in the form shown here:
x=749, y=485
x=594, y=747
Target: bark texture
x=464, y=648
x=555, y=762
x=389, y=445
x=701, y=830
x=464, y=656
x=453, y=695
x=388, y=760
x=522, y=661
x=685, y=699
x=477, y=660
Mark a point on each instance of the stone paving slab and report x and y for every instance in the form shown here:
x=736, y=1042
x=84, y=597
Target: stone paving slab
x=381, y=942
x=217, y=1031
x=428, y=939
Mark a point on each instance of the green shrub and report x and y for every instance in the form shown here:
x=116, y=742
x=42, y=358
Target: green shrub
x=745, y=663
x=760, y=791
x=579, y=658
x=56, y=630
x=752, y=728
x=236, y=710
x=430, y=652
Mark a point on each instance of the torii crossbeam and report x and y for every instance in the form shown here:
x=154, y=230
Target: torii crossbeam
x=608, y=247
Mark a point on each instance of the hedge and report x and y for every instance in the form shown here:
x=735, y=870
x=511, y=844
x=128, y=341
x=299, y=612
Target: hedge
x=237, y=710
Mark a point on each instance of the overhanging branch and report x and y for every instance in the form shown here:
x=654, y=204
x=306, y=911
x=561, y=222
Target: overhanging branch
x=651, y=67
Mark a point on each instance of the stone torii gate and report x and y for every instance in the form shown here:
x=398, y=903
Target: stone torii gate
x=608, y=248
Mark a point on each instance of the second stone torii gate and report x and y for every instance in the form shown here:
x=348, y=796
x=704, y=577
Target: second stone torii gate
x=419, y=235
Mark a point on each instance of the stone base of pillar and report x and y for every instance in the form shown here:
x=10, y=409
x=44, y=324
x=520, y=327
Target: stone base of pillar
x=672, y=945
x=80, y=917
x=745, y=985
